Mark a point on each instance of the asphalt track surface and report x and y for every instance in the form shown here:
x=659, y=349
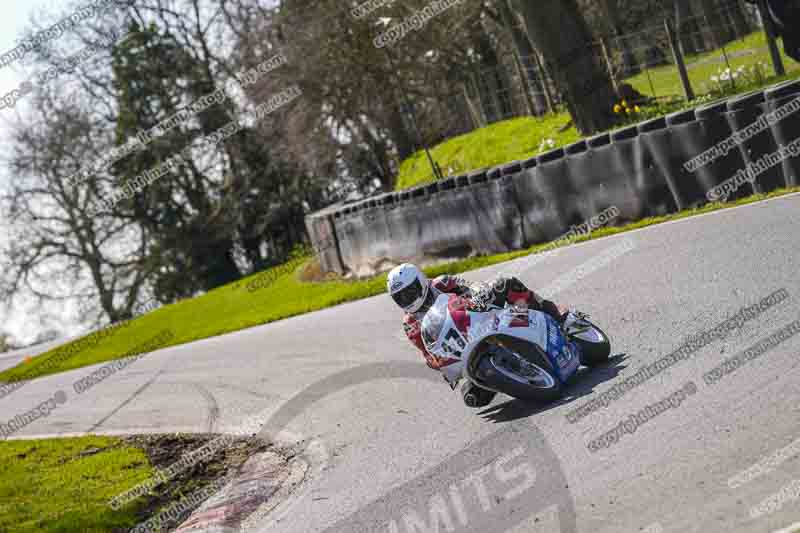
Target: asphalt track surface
x=379, y=441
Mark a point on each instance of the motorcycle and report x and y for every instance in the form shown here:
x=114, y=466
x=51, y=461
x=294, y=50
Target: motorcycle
x=523, y=353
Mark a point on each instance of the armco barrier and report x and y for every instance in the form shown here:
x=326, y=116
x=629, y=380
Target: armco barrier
x=494, y=213
x=600, y=182
x=456, y=217
x=743, y=111
x=543, y=192
x=376, y=241
x=788, y=129
x=714, y=120
x=364, y=236
x=633, y=166
x=640, y=170
x=691, y=135
x=650, y=188
x=671, y=147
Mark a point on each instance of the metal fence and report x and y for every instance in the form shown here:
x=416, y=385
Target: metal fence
x=719, y=49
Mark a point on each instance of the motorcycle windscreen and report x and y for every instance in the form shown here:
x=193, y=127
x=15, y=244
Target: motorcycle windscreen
x=439, y=333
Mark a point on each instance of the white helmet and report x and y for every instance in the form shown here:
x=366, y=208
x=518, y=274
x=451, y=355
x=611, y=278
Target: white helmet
x=408, y=287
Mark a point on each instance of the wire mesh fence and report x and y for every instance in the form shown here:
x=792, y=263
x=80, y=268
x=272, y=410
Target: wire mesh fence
x=723, y=50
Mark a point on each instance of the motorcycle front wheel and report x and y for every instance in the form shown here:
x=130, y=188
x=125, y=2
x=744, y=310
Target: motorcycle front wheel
x=594, y=344
x=525, y=374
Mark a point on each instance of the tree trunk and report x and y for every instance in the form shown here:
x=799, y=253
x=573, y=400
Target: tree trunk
x=559, y=30
x=217, y=265
x=380, y=153
x=402, y=139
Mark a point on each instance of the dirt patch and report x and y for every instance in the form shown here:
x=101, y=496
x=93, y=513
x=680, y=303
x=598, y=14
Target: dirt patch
x=164, y=449
x=312, y=272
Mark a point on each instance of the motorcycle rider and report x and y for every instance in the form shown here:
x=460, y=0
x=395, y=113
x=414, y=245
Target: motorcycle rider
x=414, y=293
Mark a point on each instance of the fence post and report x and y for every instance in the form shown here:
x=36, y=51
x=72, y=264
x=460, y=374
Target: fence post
x=610, y=66
x=476, y=118
x=494, y=91
x=769, y=30
x=523, y=77
x=517, y=61
x=646, y=68
x=478, y=91
x=724, y=52
x=678, y=55
x=548, y=97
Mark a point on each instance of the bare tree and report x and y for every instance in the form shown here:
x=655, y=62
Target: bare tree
x=202, y=226
x=57, y=252
x=6, y=342
x=361, y=102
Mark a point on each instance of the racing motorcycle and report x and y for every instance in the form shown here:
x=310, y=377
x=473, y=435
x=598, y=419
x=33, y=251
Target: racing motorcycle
x=523, y=353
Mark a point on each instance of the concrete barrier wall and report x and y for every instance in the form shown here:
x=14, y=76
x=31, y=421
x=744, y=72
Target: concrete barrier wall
x=323, y=237
x=640, y=170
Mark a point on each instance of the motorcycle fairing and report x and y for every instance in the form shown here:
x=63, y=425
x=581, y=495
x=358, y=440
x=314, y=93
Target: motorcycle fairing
x=541, y=329
x=452, y=332
x=562, y=354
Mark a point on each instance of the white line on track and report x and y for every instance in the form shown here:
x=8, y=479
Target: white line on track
x=789, y=529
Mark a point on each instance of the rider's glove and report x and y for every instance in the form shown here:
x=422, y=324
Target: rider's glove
x=432, y=362
x=479, y=296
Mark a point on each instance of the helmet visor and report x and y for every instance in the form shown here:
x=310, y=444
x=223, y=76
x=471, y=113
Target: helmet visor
x=408, y=295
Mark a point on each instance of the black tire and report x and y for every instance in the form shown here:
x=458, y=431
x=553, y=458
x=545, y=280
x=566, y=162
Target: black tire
x=475, y=396
x=488, y=370
x=594, y=353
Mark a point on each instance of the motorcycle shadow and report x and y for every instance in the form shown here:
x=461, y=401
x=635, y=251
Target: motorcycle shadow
x=580, y=385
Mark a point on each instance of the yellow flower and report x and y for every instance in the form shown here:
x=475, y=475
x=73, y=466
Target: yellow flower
x=636, y=108
x=624, y=103
x=617, y=108
x=628, y=110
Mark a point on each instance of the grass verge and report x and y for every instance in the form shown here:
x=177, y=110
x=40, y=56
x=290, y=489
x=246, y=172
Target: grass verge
x=751, y=50
x=64, y=485
x=269, y=296
x=498, y=143
x=523, y=137
x=60, y=485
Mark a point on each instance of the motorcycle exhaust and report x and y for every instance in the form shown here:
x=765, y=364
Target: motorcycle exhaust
x=471, y=399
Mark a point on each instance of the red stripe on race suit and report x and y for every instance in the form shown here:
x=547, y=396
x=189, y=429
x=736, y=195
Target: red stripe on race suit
x=514, y=297
x=414, y=334
x=446, y=284
x=458, y=311
x=520, y=321
x=445, y=362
